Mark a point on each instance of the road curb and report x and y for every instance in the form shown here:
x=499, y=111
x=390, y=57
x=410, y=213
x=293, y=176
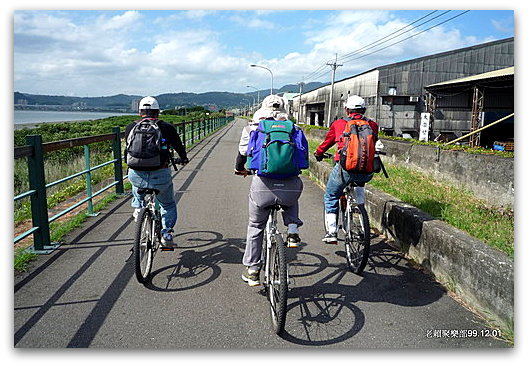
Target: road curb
x=481, y=276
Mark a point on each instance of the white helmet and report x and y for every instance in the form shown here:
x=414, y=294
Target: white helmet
x=355, y=102
x=274, y=102
x=148, y=103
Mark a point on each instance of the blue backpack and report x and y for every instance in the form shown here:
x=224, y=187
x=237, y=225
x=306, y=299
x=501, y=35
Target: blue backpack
x=277, y=149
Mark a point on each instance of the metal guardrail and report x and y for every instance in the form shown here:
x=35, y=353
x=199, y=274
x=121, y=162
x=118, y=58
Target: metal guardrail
x=190, y=132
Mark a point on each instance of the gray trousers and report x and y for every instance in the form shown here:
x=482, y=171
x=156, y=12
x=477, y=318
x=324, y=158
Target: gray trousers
x=264, y=193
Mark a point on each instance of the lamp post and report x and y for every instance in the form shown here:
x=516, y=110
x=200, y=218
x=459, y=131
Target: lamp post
x=258, y=97
x=263, y=67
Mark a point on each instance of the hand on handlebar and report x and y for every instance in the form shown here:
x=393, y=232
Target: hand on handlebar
x=322, y=156
x=180, y=161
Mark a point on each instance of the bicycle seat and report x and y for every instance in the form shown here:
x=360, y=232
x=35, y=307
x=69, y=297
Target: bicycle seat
x=148, y=191
x=276, y=207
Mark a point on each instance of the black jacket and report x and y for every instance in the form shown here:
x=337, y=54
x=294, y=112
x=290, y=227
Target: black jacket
x=171, y=137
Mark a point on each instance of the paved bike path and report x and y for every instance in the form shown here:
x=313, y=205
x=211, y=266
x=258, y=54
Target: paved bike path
x=85, y=293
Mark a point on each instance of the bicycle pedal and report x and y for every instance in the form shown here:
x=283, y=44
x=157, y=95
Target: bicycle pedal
x=167, y=249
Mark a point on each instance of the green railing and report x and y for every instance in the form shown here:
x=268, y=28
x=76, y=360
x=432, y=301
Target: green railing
x=190, y=132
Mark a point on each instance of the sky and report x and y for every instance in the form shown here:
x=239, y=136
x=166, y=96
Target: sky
x=151, y=52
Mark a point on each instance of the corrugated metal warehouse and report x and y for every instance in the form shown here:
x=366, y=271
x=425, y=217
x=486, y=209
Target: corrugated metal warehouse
x=396, y=94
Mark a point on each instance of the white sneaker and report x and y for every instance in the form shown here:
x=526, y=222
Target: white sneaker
x=330, y=238
x=251, y=277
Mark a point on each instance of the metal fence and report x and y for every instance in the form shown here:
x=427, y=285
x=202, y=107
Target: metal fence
x=191, y=132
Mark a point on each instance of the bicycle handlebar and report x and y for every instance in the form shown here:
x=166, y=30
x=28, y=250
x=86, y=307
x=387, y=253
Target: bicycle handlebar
x=175, y=161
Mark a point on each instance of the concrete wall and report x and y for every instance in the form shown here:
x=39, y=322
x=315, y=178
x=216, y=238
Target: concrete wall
x=488, y=177
x=482, y=277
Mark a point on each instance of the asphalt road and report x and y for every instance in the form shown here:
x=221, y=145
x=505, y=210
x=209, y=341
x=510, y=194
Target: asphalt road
x=85, y=293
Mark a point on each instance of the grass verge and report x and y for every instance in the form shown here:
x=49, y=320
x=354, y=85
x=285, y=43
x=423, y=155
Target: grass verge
x=457, y=207
x=23, y=256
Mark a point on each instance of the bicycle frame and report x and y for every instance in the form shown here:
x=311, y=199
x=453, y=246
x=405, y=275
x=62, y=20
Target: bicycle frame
x=153, y=206
x=271, y=232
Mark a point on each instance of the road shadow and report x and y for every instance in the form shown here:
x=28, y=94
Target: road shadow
x=328, y=310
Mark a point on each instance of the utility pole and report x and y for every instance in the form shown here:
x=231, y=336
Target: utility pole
x=300, y=95
x=334, y=66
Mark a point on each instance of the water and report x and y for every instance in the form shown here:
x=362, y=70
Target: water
x=33, y=117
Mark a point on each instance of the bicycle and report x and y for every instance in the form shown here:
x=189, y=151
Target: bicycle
x=354, y=223
x=275, y=267
x=355, y=226
x=147, y=238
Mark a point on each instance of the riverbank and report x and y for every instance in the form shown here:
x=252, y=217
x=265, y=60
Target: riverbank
x=31, y=119
x=21, y=126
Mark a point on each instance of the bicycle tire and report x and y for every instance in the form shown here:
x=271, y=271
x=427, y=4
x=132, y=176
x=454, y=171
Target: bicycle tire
x=357, y=239
x=143, y=246
x=278, y=284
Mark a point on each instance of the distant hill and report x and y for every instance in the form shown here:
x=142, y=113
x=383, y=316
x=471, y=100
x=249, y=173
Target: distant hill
x=223, y=100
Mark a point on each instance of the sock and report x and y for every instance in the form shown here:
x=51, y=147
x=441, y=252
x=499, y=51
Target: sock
x=293, y=229
x=331, y=223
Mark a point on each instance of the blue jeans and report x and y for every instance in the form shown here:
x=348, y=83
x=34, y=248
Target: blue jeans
x=338, y=180
x=159, y=179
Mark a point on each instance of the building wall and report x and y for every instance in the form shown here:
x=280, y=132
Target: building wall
x=316, y=101
x=395, y=93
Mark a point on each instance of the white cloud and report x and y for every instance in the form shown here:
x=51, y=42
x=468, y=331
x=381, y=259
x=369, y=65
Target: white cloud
x=119, y=22
x=252, y=22
x=503, y=25
x=114, y=54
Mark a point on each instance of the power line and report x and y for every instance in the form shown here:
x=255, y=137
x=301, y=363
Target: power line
x=414, y=35
x=388, y=38
x=320, y=70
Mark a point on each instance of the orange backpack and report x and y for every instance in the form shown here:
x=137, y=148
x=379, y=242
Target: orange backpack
x=357, y=154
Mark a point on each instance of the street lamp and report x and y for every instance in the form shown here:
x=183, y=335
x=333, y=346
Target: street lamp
x=263, y=67
x=258, y=97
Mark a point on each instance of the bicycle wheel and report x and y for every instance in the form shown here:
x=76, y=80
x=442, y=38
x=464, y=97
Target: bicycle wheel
x=357, y=239
x=278, y=284
x=143, y=245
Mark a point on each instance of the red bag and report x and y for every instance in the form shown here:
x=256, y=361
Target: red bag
x=357, y=154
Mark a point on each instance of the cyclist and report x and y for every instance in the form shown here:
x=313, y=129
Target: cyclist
x=266, y=192
x=339, y=178
x=158, y=177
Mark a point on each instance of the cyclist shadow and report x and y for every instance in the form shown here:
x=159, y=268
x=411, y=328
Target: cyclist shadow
x=200, y=254
x=326, y=307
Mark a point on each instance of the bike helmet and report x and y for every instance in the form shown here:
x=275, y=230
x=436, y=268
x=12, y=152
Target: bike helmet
x=355, y=102
x=148, y=103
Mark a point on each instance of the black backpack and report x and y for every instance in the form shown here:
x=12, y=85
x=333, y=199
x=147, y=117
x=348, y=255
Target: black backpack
x=144, y=145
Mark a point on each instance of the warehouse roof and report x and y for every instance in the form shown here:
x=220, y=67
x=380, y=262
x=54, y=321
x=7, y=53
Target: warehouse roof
x=509, y=71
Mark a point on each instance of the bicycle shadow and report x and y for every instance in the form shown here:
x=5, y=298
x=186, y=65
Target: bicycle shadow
x=326, y=308
x=200, y=254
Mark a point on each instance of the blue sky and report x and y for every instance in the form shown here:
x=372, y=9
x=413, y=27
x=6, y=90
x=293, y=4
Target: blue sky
x=93, y=53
